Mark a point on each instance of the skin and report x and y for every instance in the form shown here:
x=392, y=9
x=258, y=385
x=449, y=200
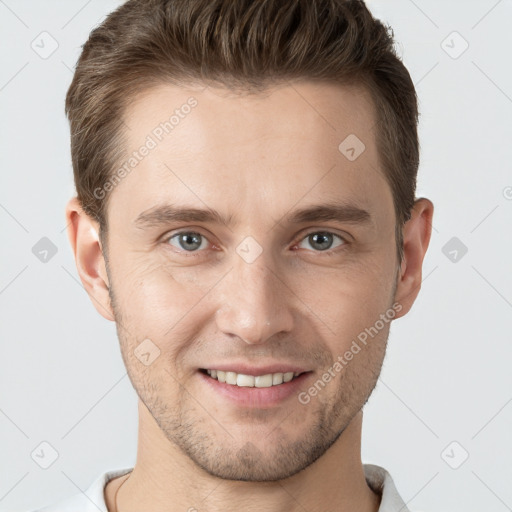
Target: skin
x=257, y=158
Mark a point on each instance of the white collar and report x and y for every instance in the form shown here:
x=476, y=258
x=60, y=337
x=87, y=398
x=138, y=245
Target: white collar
x=93, y=499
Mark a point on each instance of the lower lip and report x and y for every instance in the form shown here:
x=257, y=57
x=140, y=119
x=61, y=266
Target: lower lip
x=256, y=397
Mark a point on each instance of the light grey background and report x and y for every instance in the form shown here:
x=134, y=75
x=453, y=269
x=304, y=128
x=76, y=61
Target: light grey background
x=446, y=376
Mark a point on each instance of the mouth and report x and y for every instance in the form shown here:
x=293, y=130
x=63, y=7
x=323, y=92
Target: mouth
x=242, y=380
x=248, y=386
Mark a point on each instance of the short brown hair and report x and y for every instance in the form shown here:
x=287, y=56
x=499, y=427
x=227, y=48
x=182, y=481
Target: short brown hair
x=244, y=45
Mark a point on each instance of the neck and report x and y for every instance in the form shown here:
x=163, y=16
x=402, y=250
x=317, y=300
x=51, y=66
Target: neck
x=164, y=478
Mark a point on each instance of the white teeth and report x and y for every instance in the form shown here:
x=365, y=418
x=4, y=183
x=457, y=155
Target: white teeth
x=263, y=381
x=245, y=380
x=251, y=381
x=231, y=377
x=277, y=378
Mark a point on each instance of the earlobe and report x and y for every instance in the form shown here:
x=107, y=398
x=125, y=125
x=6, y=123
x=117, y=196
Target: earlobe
x=416, y=235
x=90, y=263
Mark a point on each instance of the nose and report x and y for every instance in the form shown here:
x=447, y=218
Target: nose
x=255, y=303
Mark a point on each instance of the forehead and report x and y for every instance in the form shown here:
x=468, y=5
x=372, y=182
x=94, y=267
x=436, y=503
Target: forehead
x=302, y=109
x=300, y=142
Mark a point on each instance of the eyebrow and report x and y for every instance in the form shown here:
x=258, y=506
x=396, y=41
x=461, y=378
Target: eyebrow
x=165, y=214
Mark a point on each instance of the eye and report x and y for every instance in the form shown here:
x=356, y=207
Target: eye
x=188, y=241
x=322, y=241
x=192, y=241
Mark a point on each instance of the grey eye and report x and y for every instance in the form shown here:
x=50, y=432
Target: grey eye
x=189, y=241
x=322, y=240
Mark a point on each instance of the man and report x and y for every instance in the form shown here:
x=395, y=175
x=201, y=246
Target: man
x=246, y=214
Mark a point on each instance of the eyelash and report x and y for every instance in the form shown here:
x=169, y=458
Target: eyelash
x=328, y=252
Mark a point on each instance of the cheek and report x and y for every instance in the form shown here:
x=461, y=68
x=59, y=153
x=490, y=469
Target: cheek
x=155, y=300
x=349, y=298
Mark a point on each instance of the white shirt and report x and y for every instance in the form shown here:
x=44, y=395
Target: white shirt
x=92, y=500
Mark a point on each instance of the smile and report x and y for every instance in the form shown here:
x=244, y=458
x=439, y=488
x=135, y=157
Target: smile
x=251, y=381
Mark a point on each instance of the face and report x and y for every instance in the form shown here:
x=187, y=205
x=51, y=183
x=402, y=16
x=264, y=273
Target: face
x=296, y=265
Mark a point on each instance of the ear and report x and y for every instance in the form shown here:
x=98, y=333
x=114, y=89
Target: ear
x=416, y=235
x=83, y=234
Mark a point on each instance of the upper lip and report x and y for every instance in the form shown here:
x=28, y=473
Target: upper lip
x=247, y=369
